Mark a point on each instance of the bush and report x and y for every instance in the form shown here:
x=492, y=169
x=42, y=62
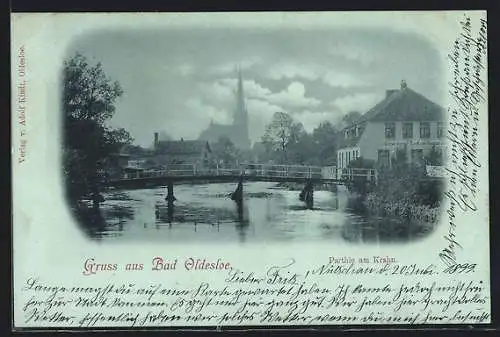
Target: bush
x=405, y=191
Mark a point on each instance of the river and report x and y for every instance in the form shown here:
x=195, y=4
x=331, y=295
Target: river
x=205, y=213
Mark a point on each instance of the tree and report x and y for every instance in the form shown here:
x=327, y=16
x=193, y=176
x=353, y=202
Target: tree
x=88, y=93
x=300, y=145
x=224, y=150
x=279, y=134
x=350, y=117
x=89, y=98
x=136, y=150
x=303, y=151
x=325, y=139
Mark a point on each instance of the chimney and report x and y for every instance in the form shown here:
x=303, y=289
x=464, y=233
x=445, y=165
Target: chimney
x=156, y=141
x=403, y=84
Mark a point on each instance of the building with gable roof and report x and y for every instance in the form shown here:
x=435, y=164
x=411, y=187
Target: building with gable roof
x=403, y=120
x=169, y=152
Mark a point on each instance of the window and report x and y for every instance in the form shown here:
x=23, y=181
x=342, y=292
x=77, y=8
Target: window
x=425, y=130
x=383, y=157
x=417, y=156
x=407, y=130
x=348, y=157
x=440, y=130
x=390, y=130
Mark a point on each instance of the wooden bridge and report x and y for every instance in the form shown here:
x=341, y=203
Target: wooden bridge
x=248, y=172
x=307, y=175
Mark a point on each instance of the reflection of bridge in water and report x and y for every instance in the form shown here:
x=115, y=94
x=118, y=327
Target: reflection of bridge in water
x=308, y=175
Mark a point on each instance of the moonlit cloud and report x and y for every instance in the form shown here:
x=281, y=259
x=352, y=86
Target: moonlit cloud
x=252, y=88
x=177, y=81
x=260, y=114
x=231, y=67
x=357, y=102
x=353, y=53
x=206, y=113
x=186, y=69
x=215, y=92
x=313, y=72
x=290, y=71
x=311, y=119
x=294, y=96
x=343, y=80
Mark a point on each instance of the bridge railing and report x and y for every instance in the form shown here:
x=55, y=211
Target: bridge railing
x=295, y=171
x=258, y=170
x=350, y=174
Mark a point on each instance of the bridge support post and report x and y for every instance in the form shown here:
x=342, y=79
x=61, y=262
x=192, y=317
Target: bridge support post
x=307, y=194
x=170, y=212
x=170, y=192
x=237, y=195
x=96, y=196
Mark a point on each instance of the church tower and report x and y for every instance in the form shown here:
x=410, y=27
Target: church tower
x=240, y=118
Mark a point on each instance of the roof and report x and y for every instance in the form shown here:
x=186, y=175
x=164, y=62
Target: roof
x=403, y=105
x=233, y=132
x=215, y=131
x=398, y=106
x=183, y=147
x=134, y=150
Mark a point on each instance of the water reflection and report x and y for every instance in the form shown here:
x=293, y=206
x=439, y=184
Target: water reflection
x=242, y=223
x=384, y=230
x=100, y=223
x=266, y=213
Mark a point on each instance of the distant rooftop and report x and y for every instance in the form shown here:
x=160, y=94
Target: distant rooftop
x=183, y=146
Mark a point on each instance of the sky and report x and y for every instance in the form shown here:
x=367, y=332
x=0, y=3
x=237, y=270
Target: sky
x=177, y=81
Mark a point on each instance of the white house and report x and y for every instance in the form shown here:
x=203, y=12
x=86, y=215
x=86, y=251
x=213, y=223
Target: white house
x=404, y=120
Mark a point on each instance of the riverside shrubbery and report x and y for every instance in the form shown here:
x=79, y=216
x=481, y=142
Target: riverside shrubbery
x=403, y=191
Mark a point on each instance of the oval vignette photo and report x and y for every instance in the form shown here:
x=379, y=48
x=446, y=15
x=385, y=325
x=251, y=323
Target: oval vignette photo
x=293, y=135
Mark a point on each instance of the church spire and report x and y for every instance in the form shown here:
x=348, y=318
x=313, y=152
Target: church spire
x=240, y=99
x=240, y=113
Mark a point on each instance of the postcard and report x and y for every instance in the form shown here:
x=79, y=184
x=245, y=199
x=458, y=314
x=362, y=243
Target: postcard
x=229, y=170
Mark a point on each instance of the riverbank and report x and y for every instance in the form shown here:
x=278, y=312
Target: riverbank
x=377, y=205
